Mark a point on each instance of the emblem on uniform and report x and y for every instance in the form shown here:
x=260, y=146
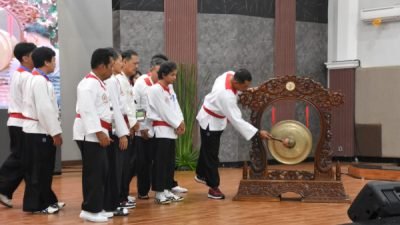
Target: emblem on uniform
x=104, y=97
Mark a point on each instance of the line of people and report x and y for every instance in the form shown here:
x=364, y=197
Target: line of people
x=118, y=128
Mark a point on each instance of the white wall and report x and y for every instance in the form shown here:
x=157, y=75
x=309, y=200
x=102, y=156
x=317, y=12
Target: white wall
x=378, y=46
x=84, y=25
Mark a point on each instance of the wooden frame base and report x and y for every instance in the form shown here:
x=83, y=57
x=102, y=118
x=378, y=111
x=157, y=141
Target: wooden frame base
x=309, y=190
x=375, y=172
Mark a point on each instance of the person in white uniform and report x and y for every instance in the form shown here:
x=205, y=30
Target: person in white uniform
x=91, y=132
x=42, y=130
x=168, y=122
x=144, y=141
x=219, y=107
x=11, y=172
x=130, y=64
x=120, y=134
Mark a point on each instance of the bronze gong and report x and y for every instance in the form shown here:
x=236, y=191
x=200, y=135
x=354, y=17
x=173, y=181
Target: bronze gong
x=298, y=143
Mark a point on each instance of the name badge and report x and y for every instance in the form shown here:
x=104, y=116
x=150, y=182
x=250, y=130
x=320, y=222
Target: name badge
x=140, y=115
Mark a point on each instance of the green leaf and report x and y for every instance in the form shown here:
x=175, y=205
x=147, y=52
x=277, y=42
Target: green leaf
x=186, y=90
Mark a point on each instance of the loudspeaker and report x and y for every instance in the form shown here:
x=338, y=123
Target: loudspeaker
x=377, y=199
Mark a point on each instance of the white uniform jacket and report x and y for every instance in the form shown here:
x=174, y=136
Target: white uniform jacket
x=92, y=108
x=117, y=100
x=40, y=107
x=15, y=96
x=140, y=89
x=127, y=99
x=220, y=106
x=164, y=111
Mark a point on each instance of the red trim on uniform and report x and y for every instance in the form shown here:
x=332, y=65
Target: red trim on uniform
x=213, y=113
x=22, y=69
x=94, y=77
x=228, y=85
x=147, y=81
x=17, y=115
x=165, y=88
x=104, y=124
x=36, y=73
x=126, y=120
x=160, y=123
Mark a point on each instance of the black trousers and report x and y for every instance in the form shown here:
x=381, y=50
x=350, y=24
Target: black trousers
x=11, y=172
x=112, y=187
x=128, y=158
x=94, y=175
x=164, y=164
x=207, y=164
x=144, y=164
x=39, y=159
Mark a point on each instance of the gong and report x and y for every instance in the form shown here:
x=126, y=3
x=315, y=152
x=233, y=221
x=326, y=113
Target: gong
x=298, y=142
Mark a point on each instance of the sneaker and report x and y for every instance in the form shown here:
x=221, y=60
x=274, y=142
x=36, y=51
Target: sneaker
x=179, y=189
x=121, y=212
x=200, y=180
x=48, y=210
x=4, y=200
x=172, y=196
x=215, y=193
x=107, y=214
x=143, y=197
x=161, y=198
x=93, y=217
x=59, y=205
x=127, y=204
x=131, y=199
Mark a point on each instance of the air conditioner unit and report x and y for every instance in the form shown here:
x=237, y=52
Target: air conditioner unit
x=386, y=14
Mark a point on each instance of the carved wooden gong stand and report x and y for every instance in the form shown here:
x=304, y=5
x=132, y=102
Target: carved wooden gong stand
x=259, y=183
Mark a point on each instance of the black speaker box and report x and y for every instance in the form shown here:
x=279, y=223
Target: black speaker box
x=377, y=199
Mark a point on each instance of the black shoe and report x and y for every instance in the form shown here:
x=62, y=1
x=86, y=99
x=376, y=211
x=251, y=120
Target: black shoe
x=200, y=180
x=127, y=204
x=121, y=212
x=143, y=197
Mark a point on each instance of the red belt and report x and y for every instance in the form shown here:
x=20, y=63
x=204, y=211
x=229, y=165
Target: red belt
x=160, y=123
x=20, y=116
x=103, y=123
x=213, y=113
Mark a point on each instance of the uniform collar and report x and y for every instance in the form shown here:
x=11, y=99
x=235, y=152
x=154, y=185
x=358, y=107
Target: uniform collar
x=37, y=71
x=228, y=84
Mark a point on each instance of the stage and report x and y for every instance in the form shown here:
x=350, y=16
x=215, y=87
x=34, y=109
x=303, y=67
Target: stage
x=196, y=208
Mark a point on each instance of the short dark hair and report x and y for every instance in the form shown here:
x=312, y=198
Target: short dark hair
x=166, y=68
x=242, y=75
x=37, y=29
x=158, y=59
x=23, y=49
x=116, y=53
x=41, y=55
x=101, y=56
x=128, y=54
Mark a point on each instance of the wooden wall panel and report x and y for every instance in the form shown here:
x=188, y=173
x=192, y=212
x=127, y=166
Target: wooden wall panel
x=181, y=30
x=343, y=80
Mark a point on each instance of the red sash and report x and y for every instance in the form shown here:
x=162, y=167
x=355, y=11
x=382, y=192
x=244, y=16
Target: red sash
x=213, y=113
x=103, y=123
x=160, y=123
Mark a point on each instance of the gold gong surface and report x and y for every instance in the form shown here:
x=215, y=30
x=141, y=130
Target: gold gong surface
x=299, y=134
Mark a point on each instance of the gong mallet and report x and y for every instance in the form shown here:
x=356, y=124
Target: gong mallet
x=287, y=142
